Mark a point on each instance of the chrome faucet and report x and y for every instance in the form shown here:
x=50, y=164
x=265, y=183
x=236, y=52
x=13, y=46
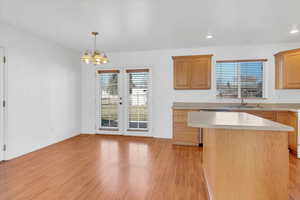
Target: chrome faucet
x=243, y=103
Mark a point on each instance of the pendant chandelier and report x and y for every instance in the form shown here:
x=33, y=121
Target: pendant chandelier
x=95, y=57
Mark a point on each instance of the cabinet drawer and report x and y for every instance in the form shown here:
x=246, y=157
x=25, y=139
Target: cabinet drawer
x=187, y=137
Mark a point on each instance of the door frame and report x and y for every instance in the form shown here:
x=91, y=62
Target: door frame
x=123, y=110
x=3, y=91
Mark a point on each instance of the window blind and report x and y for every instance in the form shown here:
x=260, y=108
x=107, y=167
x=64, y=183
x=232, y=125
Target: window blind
x=240, y=79
x=138, y=86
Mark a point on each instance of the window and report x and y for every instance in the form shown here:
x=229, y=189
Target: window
x=240, y=79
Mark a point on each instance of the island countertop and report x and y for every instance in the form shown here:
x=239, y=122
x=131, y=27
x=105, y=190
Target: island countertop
x=233, y=120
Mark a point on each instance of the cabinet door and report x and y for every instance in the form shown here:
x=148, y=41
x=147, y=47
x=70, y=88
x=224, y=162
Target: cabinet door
x=201, y=73
x=290, y=119
x=292, y=70
x=182, y=133
x=181, y=74
x=279, y=67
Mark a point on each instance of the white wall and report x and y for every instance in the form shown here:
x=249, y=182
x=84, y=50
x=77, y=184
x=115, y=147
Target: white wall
x=163, y=93
x=43, y=92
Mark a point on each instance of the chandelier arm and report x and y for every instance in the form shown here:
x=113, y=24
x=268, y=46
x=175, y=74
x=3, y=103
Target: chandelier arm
x=95, y=43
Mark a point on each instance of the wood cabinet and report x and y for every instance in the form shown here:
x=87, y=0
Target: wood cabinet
x=283, y=117
x=182, y=133
x=181, y=74
x=271, y=115
x=192, y=72
x=287, y=69
x=245, y=164
x=290, y=119
x=185, y=135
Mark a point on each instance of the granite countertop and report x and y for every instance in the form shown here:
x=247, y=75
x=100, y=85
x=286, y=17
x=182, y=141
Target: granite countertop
x=236, y=106
x=233, y=120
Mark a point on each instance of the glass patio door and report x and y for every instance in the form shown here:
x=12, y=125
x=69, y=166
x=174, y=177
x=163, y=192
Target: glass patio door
x=138, y=99
x=123, y=102
x=109, y=100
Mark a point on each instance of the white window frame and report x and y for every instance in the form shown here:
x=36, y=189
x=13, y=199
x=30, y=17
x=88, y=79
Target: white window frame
x=264, y=86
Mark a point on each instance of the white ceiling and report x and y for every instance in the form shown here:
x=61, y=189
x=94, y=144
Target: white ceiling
x=155, y=24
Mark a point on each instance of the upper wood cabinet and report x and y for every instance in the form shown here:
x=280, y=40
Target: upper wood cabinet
x=287, y=69
x=192, y=72
x=181, y=74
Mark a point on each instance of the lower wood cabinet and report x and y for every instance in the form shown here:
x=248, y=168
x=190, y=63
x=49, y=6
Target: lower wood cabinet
x=271, y=115
x=182, y=133
x=290, y=119
x=185, y=135
x=283, y=117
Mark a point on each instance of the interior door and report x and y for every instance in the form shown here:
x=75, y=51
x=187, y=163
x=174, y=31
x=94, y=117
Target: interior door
x=2, y=96
x=123, y=102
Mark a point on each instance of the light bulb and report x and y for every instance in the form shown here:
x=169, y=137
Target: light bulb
x=209, y=36
x=294, y=31
x=87, y=61
x=86, y=57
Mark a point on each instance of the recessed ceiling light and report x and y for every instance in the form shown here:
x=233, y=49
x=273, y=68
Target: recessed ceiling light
x=293, y=31
x=209, y=36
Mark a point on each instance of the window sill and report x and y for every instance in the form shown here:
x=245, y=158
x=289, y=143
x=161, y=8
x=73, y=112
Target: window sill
x=108, y=129
x=138, y=130
x=256, y=98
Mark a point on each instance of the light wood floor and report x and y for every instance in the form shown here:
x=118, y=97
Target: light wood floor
x=112, y=168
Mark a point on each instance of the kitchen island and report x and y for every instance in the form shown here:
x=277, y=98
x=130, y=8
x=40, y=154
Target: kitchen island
x=288, y=114
x=245, y=157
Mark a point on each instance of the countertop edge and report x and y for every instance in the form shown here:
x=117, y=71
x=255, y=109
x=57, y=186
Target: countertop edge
x=254, y=128
x=274, y=126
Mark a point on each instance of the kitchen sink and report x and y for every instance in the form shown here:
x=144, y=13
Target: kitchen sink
x=241, y=106
x=232, y=107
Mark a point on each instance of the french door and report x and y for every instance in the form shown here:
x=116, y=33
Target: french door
x=123, y=101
